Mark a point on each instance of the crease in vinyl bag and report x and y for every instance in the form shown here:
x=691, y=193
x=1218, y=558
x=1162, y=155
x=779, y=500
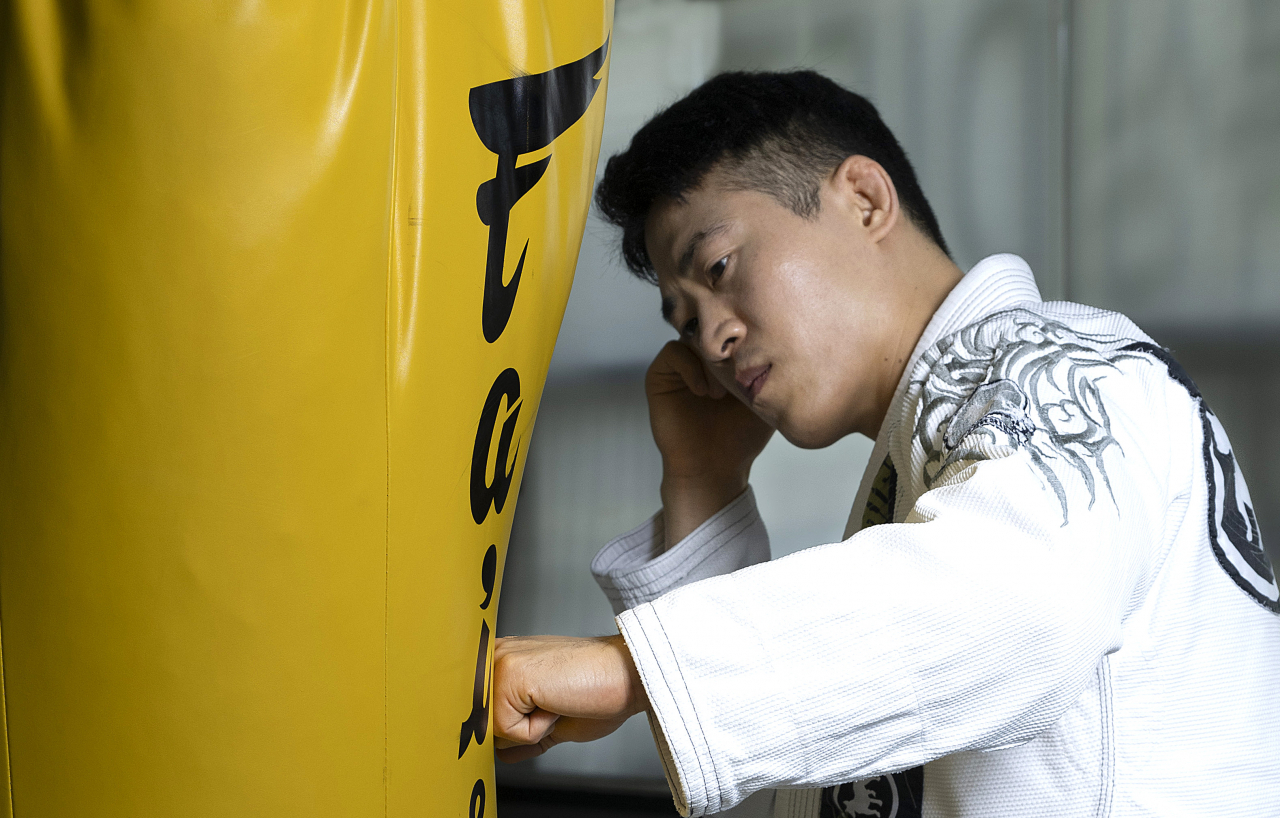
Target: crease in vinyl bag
x=279, y=285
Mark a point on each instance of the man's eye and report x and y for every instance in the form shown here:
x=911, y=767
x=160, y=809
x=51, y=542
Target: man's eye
x=690, y=328
x=717, y=269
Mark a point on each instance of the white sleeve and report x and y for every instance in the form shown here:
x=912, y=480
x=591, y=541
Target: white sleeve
x=633, y=569
x=972, y=625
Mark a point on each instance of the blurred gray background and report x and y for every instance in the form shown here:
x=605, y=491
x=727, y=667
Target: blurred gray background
x=1128, y=149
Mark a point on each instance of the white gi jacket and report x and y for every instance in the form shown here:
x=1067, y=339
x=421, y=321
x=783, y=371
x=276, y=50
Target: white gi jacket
x=1067, y=610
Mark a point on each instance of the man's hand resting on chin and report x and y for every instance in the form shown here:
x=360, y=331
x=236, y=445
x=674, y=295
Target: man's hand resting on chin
x=549, y=689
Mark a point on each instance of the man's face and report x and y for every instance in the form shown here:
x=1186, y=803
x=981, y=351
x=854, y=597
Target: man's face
x=784, y=311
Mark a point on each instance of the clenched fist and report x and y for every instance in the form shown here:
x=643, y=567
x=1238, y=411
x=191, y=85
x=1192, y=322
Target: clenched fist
x=549, y=689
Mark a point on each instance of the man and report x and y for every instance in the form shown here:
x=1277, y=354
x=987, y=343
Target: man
x=1052, y=598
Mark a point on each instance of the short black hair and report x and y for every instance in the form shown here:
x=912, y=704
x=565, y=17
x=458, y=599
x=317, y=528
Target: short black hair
x=777, y=133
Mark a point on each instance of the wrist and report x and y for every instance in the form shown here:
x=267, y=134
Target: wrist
x=689, y=501
x=637, y=700
x=706, y=492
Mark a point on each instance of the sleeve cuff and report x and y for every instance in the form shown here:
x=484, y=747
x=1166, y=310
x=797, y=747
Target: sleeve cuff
x=682, y=745
x=633, y=569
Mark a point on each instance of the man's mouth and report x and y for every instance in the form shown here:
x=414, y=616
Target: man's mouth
x=752, y=380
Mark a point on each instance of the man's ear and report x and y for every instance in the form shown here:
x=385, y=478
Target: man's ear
x=864, y=189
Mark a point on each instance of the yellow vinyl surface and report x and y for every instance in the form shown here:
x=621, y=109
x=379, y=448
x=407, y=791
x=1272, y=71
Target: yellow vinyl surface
x=259, y=422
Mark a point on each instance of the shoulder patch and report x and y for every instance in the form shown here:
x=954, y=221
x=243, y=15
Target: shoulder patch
x=1232, y=523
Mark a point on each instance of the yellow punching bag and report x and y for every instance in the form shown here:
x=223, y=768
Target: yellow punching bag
x=280, y=284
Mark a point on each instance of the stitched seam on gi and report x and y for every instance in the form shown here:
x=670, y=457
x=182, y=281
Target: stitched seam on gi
x=1108, y=738
x=697, y=720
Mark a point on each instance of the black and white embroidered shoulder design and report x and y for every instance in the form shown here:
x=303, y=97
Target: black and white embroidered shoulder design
x=1019, y=379
x=1027, y=381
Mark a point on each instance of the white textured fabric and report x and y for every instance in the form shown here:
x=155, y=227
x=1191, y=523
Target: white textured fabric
x=633, y=570
x=1069, y=614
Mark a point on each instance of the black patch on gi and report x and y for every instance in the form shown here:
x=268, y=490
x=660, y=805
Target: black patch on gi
x=1232, y=523
x=898, y=795
x=883, y=496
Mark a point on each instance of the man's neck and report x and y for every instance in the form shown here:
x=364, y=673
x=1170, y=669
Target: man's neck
x=925, y=276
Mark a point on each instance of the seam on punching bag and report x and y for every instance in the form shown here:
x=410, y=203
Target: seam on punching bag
x=4, y=724
x=6, y=42
x=388, y=357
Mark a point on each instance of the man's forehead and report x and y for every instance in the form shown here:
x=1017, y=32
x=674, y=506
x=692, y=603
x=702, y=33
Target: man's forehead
x=662, y=228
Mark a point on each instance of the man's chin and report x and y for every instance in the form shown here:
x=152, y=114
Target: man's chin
x=809, y=435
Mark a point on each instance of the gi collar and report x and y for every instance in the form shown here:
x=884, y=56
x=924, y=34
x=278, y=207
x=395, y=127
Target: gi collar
x=996, y=283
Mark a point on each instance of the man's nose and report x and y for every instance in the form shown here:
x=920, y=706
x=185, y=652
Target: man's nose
x=721, y=336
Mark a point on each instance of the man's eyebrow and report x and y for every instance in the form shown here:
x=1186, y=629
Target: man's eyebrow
x=686, y=260
x=695, y=241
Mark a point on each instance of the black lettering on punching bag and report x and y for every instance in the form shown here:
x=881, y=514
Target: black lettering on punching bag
x=488, y=573
x=477, y=799
x=514, y=117
x=483, y=493
x=477, y=724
